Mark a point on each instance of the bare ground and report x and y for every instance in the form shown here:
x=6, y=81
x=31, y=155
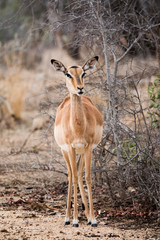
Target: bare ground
x=20, y=224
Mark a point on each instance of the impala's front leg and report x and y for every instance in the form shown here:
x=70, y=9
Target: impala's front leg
x=88, y=161
x=72, y=158
x=68, y=211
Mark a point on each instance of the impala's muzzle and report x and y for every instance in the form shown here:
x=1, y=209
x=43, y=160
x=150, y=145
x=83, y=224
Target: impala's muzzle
x=80, y=90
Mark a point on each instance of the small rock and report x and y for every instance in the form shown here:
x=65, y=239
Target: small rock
x=4, y=230
x=113, y=235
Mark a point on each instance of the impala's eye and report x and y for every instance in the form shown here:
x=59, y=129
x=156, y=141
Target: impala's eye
x=83, y=74
x=68, y=75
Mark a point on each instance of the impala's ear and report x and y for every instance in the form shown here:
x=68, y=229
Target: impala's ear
x=58, y=66
x=91, y=63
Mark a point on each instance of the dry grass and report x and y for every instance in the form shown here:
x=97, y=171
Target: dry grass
x=12, y=84
x=16, y=93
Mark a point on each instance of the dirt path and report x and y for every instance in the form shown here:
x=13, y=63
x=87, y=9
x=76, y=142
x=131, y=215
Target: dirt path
x=30, y=225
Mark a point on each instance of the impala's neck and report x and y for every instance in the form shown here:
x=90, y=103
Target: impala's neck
x=77, y=115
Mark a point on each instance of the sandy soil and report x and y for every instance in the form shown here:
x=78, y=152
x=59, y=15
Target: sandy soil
x=32, y=225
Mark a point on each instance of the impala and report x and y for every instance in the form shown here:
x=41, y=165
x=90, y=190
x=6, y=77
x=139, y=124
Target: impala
x=78, y=130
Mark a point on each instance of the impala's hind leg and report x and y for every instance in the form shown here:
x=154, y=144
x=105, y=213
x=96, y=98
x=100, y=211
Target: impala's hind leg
x=88, y=160
x=80, y=181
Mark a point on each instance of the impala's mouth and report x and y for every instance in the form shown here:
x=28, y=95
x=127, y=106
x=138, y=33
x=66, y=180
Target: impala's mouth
x=80, y=92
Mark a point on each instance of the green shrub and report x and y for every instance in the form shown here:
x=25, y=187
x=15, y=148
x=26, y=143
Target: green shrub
x=154, y=94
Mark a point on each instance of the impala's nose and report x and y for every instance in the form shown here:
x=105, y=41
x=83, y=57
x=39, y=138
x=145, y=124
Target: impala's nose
x=80, y=90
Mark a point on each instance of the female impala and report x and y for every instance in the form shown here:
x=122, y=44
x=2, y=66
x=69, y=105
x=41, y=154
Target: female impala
x=78, y=129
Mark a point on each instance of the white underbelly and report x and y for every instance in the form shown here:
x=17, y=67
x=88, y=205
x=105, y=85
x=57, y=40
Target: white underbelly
x=79, y=148
x=78, y=144
x=64, y=147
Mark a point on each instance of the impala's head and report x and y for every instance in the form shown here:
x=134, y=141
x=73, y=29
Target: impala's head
x=75, y=74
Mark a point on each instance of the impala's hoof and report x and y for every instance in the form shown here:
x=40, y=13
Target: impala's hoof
x=94, y=225
x=75, y=225
x=89, y=223
x=67, y=223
